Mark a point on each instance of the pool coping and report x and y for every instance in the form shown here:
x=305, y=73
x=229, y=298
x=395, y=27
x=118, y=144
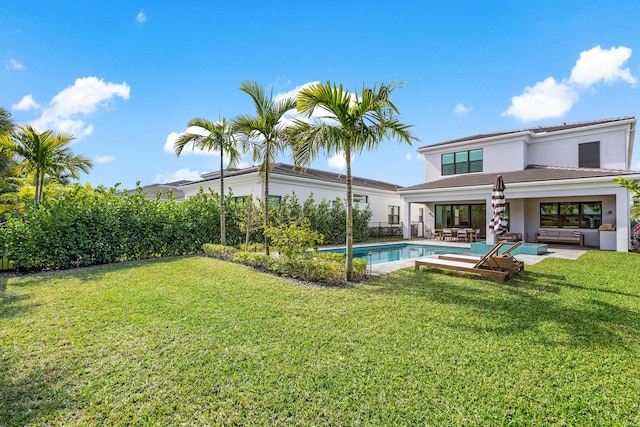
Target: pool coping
x=557, y=251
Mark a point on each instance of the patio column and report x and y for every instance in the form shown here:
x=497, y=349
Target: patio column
x=622, y=220
x=406, y=220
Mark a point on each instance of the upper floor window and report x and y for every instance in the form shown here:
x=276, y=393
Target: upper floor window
x=589, y=155
x=462, y=162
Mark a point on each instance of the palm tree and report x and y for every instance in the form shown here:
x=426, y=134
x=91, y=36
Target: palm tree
x=264, y=135
x=346, y=122
x=6, y=126
x=213, y=136
x=45, y=154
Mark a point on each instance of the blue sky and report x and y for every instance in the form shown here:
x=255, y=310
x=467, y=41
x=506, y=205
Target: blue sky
x=125, y=77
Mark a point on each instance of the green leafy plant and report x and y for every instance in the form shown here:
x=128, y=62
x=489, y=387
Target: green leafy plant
x=294, y=238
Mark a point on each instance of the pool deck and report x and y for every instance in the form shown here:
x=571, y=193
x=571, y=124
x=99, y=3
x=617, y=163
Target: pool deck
x=555, y=251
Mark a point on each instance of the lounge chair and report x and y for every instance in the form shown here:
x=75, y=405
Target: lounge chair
x=504, y=261
x=483, y=265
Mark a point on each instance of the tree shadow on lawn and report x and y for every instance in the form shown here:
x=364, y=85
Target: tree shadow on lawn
x=91, y=272
x=527, y=302
x=24, y=399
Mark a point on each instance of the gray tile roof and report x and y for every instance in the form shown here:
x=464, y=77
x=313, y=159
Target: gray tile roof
x=319, y=175
x=532, y=173
x=537, y=129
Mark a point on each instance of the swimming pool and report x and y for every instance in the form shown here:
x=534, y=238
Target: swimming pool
x=397, y=252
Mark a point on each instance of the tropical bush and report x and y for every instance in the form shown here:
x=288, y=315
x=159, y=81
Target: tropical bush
x=82, y=226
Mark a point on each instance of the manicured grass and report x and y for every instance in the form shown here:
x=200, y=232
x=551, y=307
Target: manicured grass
x=196, y=341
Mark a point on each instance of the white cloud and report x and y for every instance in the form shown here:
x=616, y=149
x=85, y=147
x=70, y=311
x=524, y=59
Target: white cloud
x=293, y=92
x=172, y=138
x=14, y=65
x=461, y=110
x=26, y=103
x=549, y=98
x=543, y=100
x=338, y=161
x=67, y=109
x=105, y=159
x=408, y=157
x=597, y=65
x=179, y=175
x=141, y=17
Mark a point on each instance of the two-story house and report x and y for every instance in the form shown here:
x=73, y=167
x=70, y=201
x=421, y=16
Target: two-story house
x=555, y=177
x=382, y=197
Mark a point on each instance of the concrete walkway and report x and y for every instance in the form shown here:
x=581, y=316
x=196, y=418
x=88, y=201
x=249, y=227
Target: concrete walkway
x=555, y=251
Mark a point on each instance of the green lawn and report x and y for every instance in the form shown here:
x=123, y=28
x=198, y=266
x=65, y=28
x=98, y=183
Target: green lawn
x=196, y=341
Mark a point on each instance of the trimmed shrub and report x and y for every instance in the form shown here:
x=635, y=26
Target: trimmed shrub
x=226, y=253
x=259, y=261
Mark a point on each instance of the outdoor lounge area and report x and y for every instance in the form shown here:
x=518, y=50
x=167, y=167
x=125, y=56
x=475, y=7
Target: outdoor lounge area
x=560, y=236
x=493, y=264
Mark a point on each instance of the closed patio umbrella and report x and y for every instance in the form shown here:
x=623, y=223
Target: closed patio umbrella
x=498, y=225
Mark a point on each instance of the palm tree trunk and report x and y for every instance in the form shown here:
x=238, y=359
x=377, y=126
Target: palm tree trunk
x=38, y=191
x=223, y=237
x=266, y=202
x=349, y=250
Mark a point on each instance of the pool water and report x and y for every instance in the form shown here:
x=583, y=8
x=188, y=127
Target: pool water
x=388, y=253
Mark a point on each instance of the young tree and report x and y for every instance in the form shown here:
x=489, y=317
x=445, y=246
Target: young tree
x=45, y=154
x=206, y=135
x=348, y=123
x=263, y=134
x=634, y=187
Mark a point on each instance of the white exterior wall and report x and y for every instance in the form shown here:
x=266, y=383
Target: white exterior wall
x=562, y=150
x=279, y=185
x=242, y=185
x=498, y=156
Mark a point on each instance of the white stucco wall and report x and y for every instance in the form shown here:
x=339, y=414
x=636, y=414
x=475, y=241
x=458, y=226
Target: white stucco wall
x=562, y=150
x=506, y=154
x=244, y=185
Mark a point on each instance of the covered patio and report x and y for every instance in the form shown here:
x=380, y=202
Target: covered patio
x=537, y=198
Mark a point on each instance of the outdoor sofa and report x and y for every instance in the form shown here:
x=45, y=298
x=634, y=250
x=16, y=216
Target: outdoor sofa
x=560, y=236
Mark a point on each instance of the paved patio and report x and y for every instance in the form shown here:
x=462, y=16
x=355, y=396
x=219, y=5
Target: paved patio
x=555, y=251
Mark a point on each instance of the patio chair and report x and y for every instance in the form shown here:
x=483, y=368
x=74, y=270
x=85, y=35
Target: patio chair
x=463, y=234
x=444, y=262
x=447, y=234
x=494, y=261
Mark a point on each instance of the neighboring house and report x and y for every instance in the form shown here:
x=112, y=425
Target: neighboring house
x=152, y=190
x=382, y=197
x=555, y=177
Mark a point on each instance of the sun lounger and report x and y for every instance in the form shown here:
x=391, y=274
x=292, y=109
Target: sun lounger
x=444, y=264
x=492, y=260
x=484, y=265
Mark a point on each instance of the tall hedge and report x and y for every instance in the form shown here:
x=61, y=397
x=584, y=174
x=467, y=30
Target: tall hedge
x=83, y=228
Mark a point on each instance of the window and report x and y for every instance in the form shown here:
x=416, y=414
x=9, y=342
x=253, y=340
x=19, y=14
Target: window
x=394, y=214
x=463, y=216
x=420, y=214
x=571, y=215
x=239, y=200
x=359, y=198
x=462, y=162
x=274, y=200
x=589, y=155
